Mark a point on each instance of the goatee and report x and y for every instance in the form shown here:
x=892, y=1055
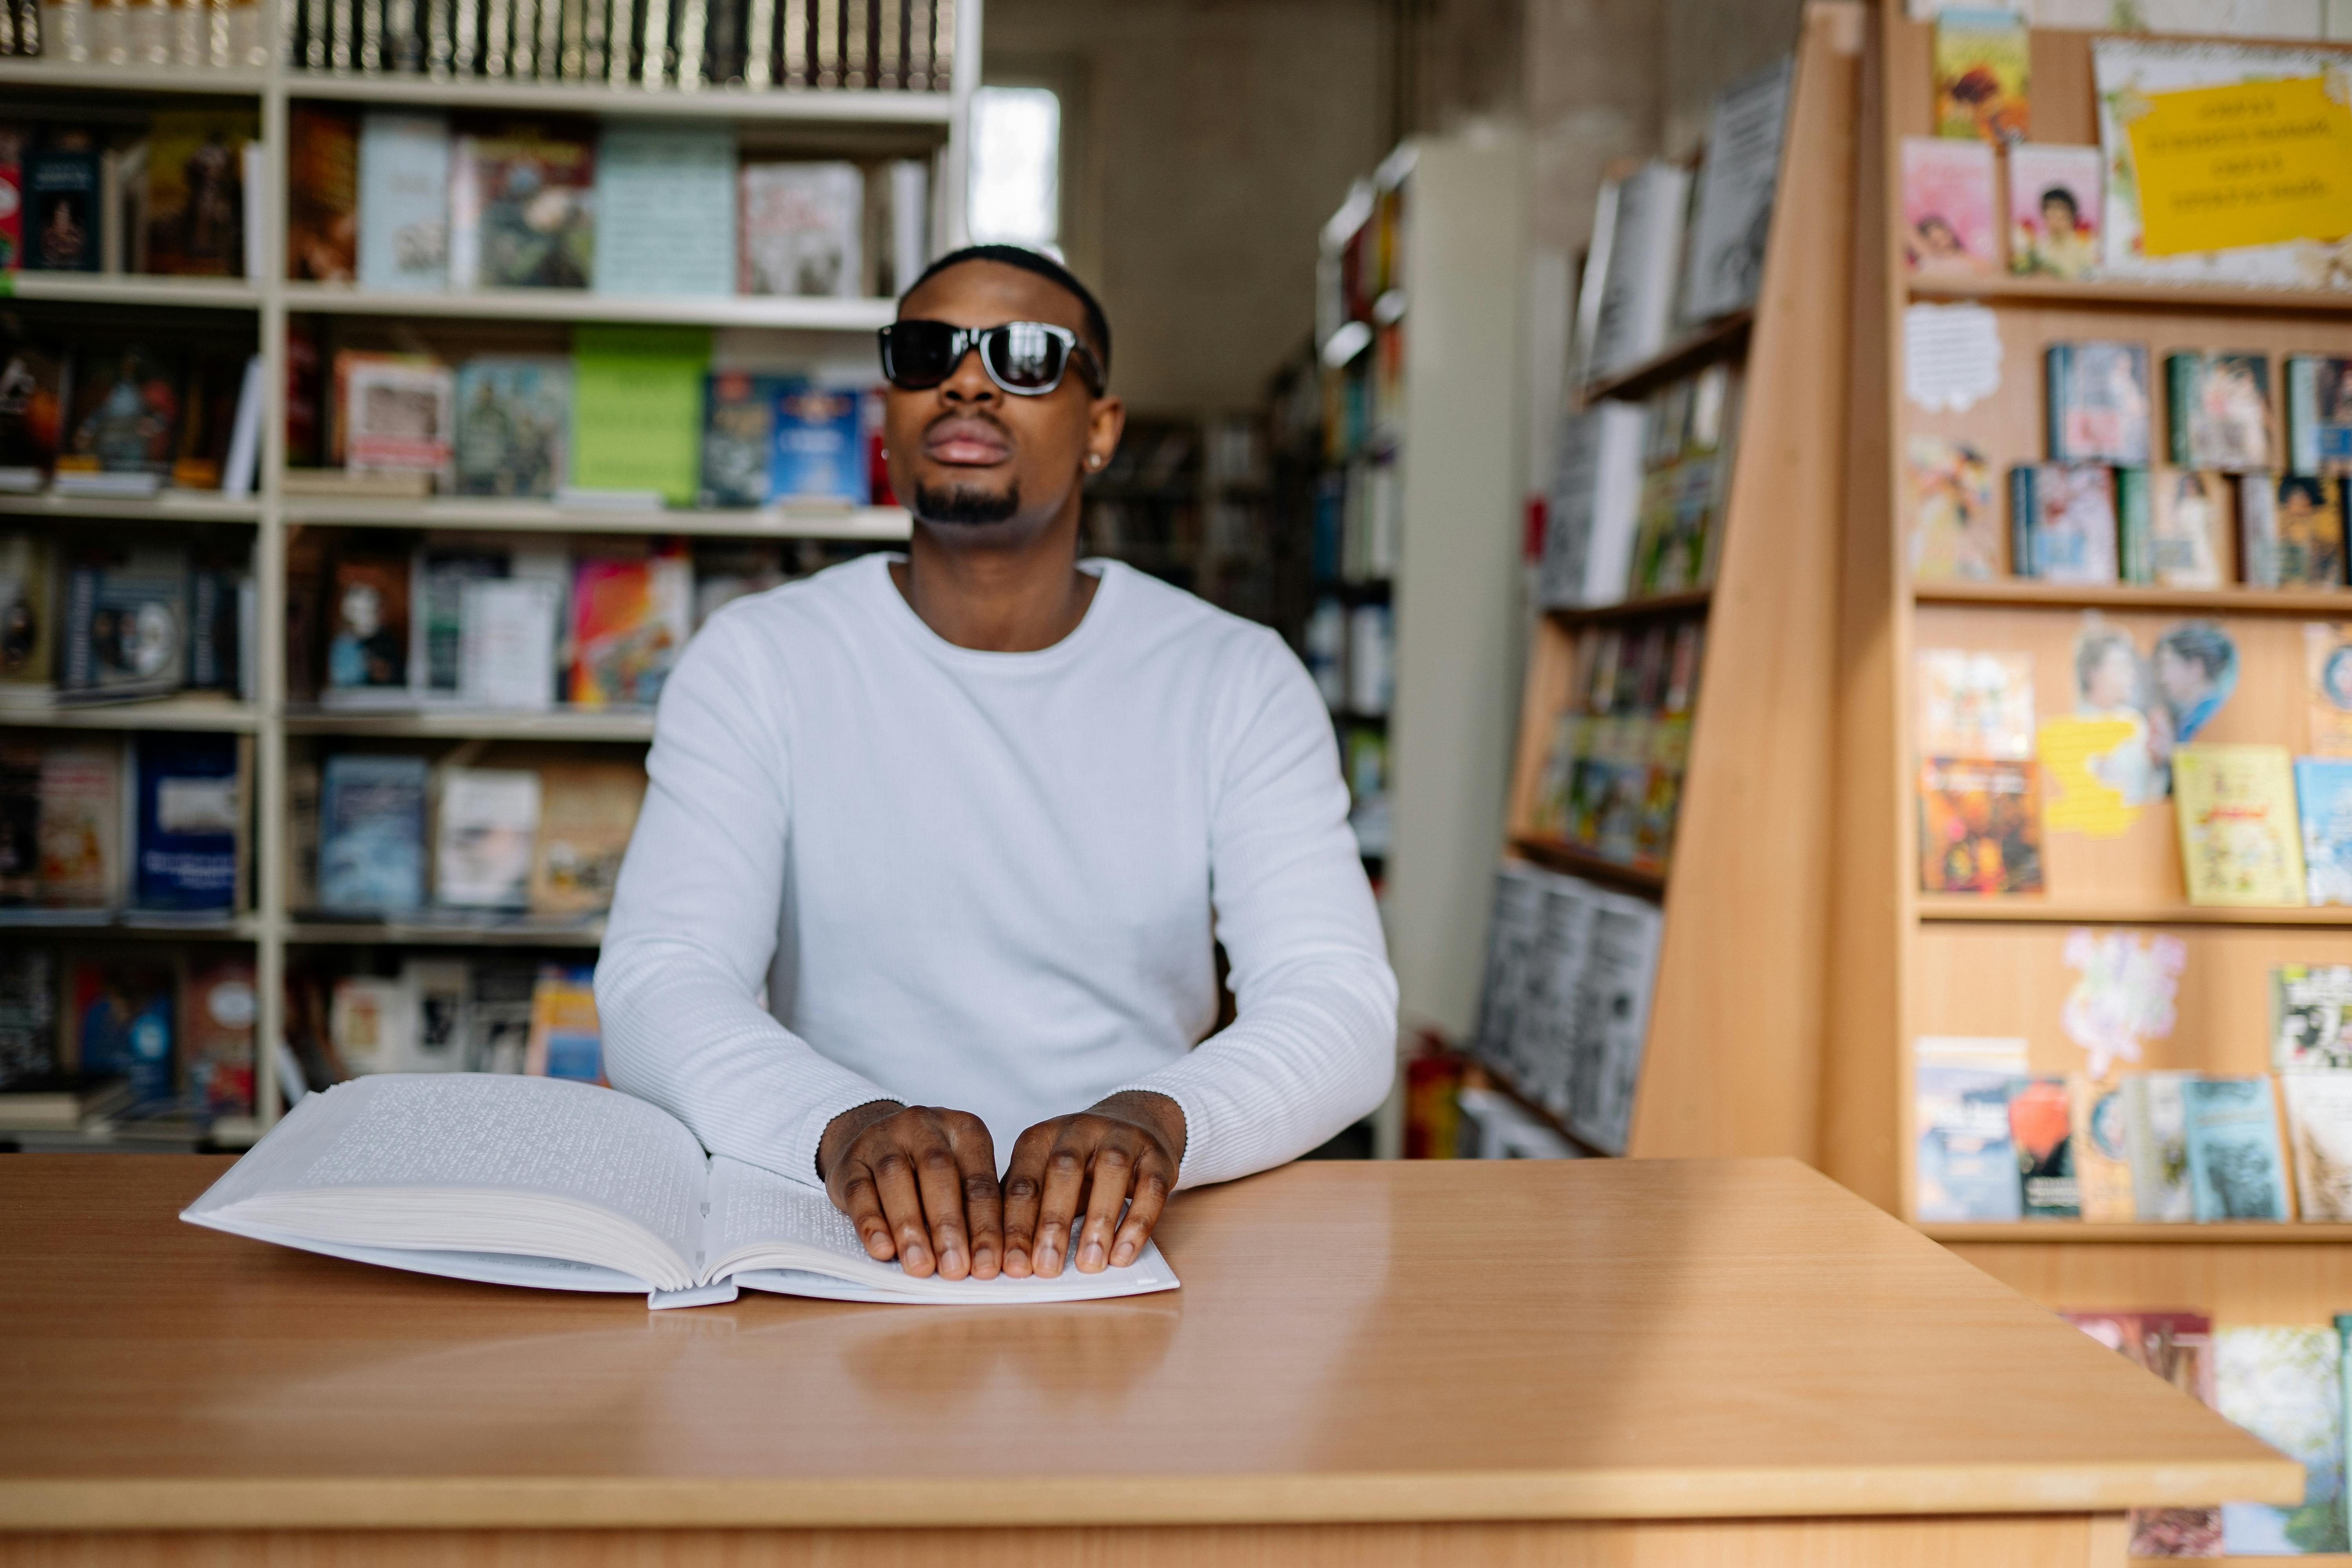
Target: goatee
x=975, y=508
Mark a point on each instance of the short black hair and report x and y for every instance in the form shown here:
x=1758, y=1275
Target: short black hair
x=2202, y=643
x=2065, y=199
x=1044, y=266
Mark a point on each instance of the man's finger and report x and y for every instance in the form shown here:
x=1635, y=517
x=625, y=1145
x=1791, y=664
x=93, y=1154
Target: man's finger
x=1057, y=1203
x=1151, y=1196
x=941, y=1181
x=975, y=1158
x=902, y=1204
x=1024, y=1183
x=1114, y=1171
x=856, y=1197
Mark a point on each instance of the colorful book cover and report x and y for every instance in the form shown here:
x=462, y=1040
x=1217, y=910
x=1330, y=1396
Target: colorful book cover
x=372, y=834
x=216, y=1029
x=28, y=628
x=2282, y=1383
x=2318, y=414
x=1955, y=525
x=514, y=425
x=1948, y=210
x=507, y=636
x=62, y=221
x=522, y=210
x=2040, y=1129
x=2191, y=522
x=404, y=204
x=1732, y=209
x=126, y=411
x=1976, y=704
x=820, y=448
x=322, y=194
x=2179, y=1348
x=80, y=825
x=2308, y=524
x=122, y=1016
x=637, y=408
x=1979, y=826
x=2156, y=1122
x=14, y=141
x=2327, y=677
x=739, y=433
x=195, y=190
x=2054, y=209
x=2236, y=1170
x=2311, y=1017
x=2322, y=799
x=2319, y=1128
x=190, y=811
x=398, y=414
x=630, y=620
x=125, y=631
x=587, y=811
x=1967, y=1162
x=436, y=619
x=2100, y=1144
x=2134, y=528
x=566, y=1040
x=2074, y=522
x=2098, y=403
x=368, y=630
x=484, y=830
x=32, y=409
x=2238, y=842
x=800, y=229
x=665, y=210
x=1982, y=67
x=2218, y=410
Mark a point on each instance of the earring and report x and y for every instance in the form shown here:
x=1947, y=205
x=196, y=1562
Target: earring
x=1094, y=459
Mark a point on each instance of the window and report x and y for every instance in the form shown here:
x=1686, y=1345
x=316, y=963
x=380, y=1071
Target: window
x=1016, y=153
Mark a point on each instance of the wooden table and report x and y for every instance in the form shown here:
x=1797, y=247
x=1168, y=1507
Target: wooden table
x=1572, y=1363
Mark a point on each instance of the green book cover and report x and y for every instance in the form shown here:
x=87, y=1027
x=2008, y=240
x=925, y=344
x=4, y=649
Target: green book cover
x=636, y=409
x=2181, y=374
x=2138, y=546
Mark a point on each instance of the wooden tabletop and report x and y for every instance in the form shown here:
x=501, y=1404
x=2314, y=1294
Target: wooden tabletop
x=1574, y=1338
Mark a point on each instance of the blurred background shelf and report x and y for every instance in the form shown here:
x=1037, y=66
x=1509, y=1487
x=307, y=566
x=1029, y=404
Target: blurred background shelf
x=568, y=305
x=865, y=107
x=134, y=289
x=570, y=724
x=197, y=711
x=458, y=514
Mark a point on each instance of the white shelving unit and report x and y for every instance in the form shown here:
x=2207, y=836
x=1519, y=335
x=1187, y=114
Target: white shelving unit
x=841, y=119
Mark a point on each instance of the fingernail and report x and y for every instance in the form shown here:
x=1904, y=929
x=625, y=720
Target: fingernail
x=950, y=1261
x=1092, y=1258
x=1124, y=1254
x=917, y=1258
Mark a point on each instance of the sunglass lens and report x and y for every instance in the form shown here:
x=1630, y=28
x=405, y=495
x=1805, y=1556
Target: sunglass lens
x=916, y=353
x=1024, y=354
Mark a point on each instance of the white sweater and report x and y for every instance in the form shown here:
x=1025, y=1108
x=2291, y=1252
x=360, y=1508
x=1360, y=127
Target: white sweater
x=988, y=881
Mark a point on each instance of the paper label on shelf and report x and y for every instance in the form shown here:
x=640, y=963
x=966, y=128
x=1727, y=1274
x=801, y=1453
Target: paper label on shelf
x=2250, y=163
x=1951, y=356
x=2073, y=751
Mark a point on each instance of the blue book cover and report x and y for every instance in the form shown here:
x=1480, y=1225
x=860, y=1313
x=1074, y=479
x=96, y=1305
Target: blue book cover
x=2236, y=1170
x=820, y=447
x=1967, y=1159
x=122, y=1025
x=514, y=425
x=739, y=438
x=404, y=213
x=372, y=834
x=190, y=806
x=2323, y=799
x=665, y=210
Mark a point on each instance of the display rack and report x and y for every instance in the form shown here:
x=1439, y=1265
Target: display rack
x=1731, y=1061
x=890, y=124
x=1907, y=963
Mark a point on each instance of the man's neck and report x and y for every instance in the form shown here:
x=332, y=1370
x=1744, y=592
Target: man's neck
x=1016, y=599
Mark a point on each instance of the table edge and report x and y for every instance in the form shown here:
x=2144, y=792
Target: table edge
x=850, y=1502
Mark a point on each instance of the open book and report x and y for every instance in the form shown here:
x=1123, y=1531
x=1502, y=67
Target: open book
x=536, y=1181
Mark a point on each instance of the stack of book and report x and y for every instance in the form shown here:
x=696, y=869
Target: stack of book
x=156, y=825
x=85, y=1039
x=113, y=416
x=174, y=38
x=443, y=1014
x=120, y=618
x=1612, y=779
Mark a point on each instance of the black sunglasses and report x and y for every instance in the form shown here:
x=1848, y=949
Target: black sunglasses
x=1025, y=358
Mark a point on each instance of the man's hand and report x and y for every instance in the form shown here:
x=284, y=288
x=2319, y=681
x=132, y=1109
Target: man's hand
x=1080, y=1171
x=917, y=1182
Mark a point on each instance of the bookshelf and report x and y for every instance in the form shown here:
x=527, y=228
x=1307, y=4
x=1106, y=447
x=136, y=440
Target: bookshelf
x=1913, y=964
x=1730, y=1059
x=824, y=122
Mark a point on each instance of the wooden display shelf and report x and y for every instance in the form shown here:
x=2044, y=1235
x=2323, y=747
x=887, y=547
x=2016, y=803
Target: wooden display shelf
x=567, y=305
x=2025, y=908
x=1632, y=609
x=62, y=925
x=134, y=289
x=168, y=506
x=242, y=82
x=1558, y=855
x=2311, y=1233
x=307, y=930
x=2129, y=294
x=186, y=711
x=1717, y=340
x=562, y=724
x=809, y=106
x=458, y=514
x=2233, y=601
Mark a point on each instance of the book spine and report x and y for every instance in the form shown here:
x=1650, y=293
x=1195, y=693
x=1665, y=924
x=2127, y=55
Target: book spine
x=2058, y=367
x=797, y=43
x=81, y=609
x=440, y=39
x=827, y=49
x=2302, y=413
x=652, y=68
x=2135, y=546
x=2180, y=375
x=759, y=45
x=919, y=45
x=943, y=25
x=549, y=52
x=693, y=32
x=856, y=69
x=2023, y=520
x=889, y=44
x=573, y=49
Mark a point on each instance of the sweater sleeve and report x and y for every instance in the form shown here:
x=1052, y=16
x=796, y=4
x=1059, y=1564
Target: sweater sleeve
x=695, y=920
x=1312, y=1047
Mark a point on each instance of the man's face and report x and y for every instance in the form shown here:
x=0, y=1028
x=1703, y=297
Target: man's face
x=2058, y=220
x=2183, y=679
x=978, y=463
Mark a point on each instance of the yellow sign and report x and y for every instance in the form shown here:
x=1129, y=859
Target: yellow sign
x=2075, y=753
x=2254, y=162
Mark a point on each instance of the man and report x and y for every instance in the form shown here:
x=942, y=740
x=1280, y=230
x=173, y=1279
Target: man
x=935, y=848
x=2196, y=669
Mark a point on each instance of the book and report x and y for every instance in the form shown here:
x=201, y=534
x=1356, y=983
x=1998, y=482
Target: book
x=1592, y=512
x=398, y=414
x=2318, y=414
x=1954, y=529
x=2191, y=522
x=438, y=578
x=372, y=834
x=507, y=641
x=738, y=428
x=125, y=631
x=1966, y=1160
x=125, y=414
x=1947, y=208
x=2323, y=799
x=820, y=448
x=2179, y=1348
x=322, y=194
x=2328, y=695
x=2134, y=528
x=798, y=229
x=372, y=1023
x=2099, y=1143
x=2304, y=519
x=630, y=620
x=1979, y=826
x=587, y=811
x=195, y=190
x=121, y=1016
x=2063, y=521
x=2157, y=1124
x=32, y=412
x=440, y=999
x=403, y=201
x=2319, y=1128
x=29, y=598
x=665, y=210
x=2236, y=1170
x=1981, y=64
x=485, y=825
x=80, y=819
x=14, y=141
x=191, y=806
x=514, y=425
x=2041, y=1124
x=568, y=1186
x=1551, y=1054
x=2097, y=405
x=1613, y=1017
x=2238, y=842
x=2311, y=1017
x=60, y=1102
x=20, y=834
x=2282, y=1383
x=1732, y=209
x=63, y=220
x=1514, y=922
x=565, y=1041
x=2218, y=410
x=367, y=632
x=637, y=408
x=1974, y=704
x=220, y=1009
x=522, y=209
x=2054, y=196
x=1635, y=310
